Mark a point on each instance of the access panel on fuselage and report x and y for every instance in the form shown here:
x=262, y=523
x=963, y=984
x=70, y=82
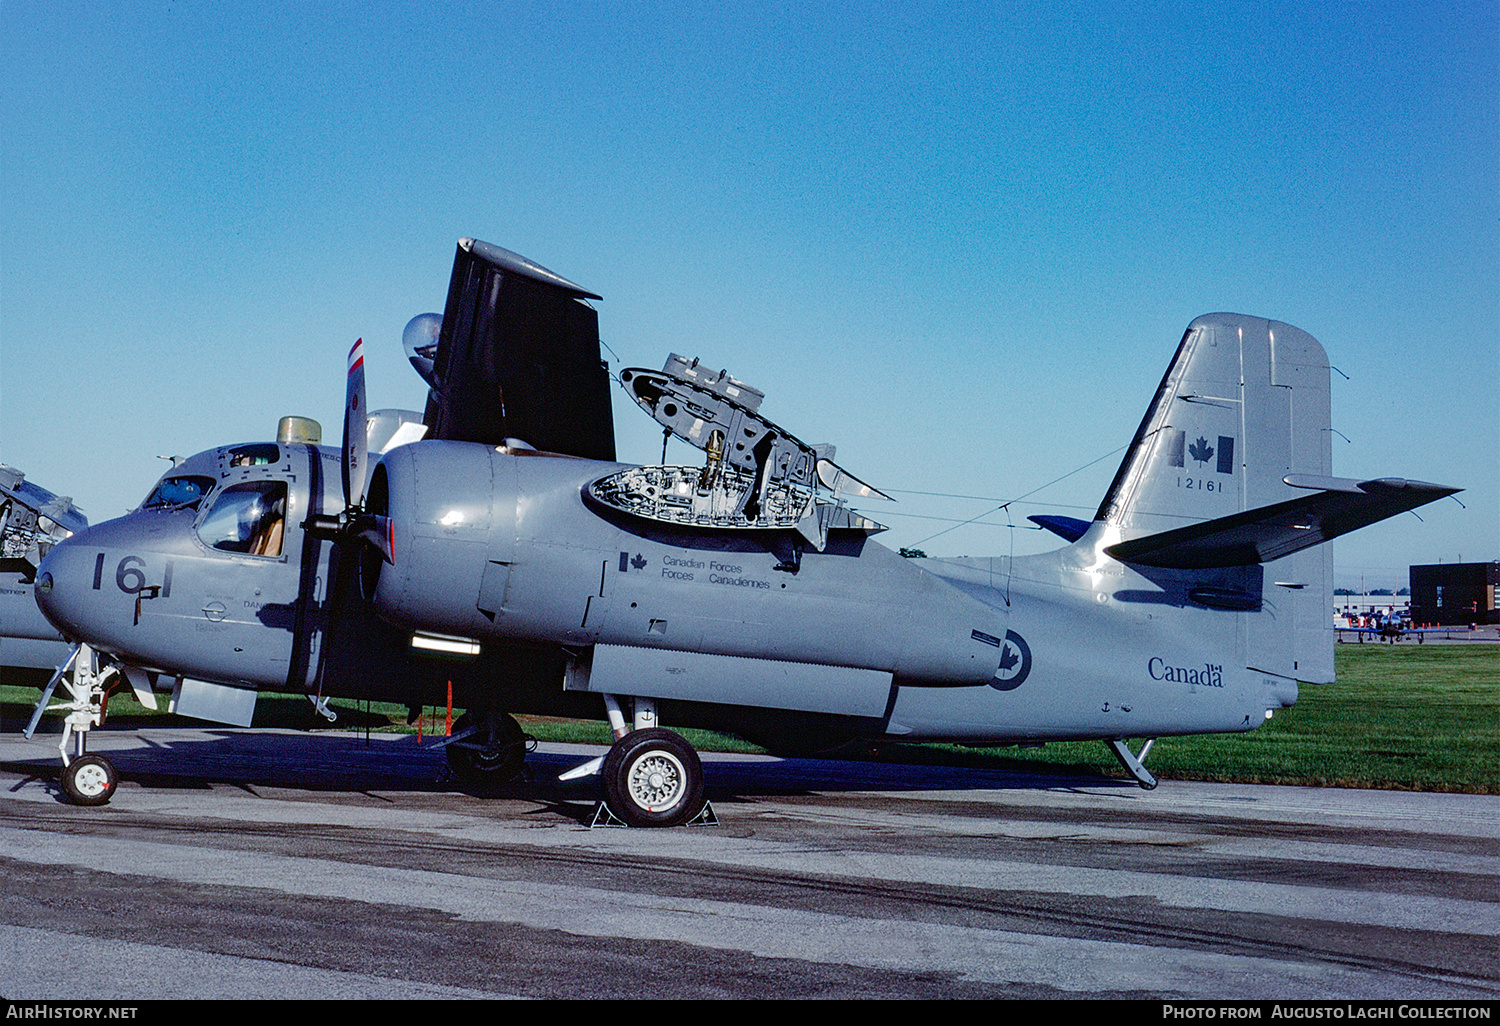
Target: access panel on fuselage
x=737, y=680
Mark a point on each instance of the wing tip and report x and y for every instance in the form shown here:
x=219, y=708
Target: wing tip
x=517, y=264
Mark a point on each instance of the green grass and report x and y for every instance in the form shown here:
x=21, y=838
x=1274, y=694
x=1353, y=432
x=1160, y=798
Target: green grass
x=1407, y=717
x=1402, y=717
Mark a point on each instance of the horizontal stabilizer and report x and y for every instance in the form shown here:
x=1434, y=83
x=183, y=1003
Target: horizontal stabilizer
x=1337, y=507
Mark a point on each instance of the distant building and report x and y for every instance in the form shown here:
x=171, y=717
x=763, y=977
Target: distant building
x=1455, y=593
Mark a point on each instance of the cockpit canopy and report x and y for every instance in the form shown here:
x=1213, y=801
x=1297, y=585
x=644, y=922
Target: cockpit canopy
x=239, y=494
x=248, y=518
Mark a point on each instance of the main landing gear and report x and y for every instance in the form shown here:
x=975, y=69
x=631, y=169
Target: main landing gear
x=651, y=777
x=86, y=779
x=486, y=749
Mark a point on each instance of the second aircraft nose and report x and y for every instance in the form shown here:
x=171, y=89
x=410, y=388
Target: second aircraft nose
x=62, y=581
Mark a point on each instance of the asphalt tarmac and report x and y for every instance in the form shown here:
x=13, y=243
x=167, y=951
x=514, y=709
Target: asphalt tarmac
x=281, y=864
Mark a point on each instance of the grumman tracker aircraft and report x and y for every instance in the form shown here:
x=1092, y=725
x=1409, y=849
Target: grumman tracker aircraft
x=741, y=594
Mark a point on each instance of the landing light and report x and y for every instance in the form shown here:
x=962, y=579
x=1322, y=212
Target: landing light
x=445, y=643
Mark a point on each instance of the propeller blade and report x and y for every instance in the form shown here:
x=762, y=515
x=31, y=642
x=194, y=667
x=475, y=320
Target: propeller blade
x=380, y=533
x=355, y=442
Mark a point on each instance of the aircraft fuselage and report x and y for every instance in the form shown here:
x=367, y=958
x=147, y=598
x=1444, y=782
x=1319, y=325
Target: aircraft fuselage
x=567, y=598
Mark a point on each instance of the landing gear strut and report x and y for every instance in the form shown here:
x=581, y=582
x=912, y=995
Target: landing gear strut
x=86, y=779
x=1135, y=765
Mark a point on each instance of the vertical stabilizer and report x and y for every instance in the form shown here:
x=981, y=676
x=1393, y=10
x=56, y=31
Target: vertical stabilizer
x=1243, y=406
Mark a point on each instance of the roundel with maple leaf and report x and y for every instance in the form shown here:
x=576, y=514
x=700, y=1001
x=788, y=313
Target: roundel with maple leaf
x=1015, y=663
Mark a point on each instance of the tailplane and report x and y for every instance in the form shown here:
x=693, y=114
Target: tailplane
x=1336, y=506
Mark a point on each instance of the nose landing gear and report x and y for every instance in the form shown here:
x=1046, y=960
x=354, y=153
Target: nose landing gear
x=86, y=779
x=90, y=780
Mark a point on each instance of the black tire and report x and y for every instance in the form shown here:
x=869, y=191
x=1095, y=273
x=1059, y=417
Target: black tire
x=653, y=778
x=90, y=780
x=494, y=754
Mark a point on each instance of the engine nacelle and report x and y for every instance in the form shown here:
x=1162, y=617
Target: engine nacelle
x=502, y=544
x=453, y=511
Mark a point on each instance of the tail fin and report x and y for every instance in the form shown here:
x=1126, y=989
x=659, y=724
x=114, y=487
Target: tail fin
x=1243, y=405
x=1231, y=467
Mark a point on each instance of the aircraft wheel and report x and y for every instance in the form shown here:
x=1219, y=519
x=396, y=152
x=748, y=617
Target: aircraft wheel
x=90, y=780
x=653, y=777
x=494, y=754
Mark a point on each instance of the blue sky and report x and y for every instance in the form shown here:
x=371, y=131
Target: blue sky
x=960, y=241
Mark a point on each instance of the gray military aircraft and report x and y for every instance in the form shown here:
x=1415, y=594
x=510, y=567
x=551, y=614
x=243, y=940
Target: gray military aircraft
x=507, y=552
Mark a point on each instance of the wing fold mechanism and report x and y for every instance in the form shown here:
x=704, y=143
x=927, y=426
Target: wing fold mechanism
x=758, y=476
x=1336, y=507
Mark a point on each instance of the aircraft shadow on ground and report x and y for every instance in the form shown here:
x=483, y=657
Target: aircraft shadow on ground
x=346, y=761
